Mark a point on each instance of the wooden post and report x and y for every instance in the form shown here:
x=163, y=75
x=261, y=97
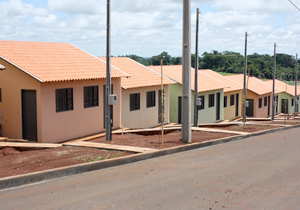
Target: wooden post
x=162, y=104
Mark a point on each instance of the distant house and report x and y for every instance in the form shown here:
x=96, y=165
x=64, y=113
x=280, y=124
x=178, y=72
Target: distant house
x=233, y=95
x=52, y=92
x=285, y=96
x=258, y=94
x=209, y=89
x=141, y=94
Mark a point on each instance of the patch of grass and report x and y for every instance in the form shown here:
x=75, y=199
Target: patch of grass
x=225, y=74
x=92, y=159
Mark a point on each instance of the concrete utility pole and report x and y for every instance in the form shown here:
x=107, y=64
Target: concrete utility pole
x=296, y=83
x=186, y=73
x=245, y=73
x=196, y=73
x=273, y=93
x=108, y=79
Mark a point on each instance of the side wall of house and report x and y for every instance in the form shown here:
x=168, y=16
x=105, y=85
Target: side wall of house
x=12, y=82
x=289, y=97
x=230, y=110
x=263, y=111
x=79, y=122
x=143, y=117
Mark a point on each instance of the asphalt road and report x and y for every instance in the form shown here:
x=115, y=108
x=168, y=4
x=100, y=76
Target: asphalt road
x=255, y=173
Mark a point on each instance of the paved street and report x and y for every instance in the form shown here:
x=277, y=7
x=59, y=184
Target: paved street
x=256, y=173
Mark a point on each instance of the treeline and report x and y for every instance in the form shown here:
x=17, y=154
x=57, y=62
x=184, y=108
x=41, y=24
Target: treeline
x=233, y=62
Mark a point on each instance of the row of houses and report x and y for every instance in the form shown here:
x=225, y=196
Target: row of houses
x=53, y=92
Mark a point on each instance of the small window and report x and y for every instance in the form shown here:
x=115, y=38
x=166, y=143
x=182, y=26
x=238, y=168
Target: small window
x=134, y=101
x=91, y=96
x=211, y=100
x=150, y=99
x=292, y=101
x=265, y=101
x=202, y=103
x=260, y=103
x=0, y=95
x=231, y=100
x=225, y=101
x=64, y=99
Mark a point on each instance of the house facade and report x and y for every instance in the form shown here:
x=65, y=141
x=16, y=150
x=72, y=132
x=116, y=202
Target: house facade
x=259, y=96
x=53, y=92
x=209, y=89
x=141, y=94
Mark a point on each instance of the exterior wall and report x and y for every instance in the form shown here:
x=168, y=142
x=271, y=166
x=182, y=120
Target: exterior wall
x=285, y=96
x=263, y=111
x=175, y=92
x=208, y=114
x=144, y=117
x=79, y=122
x=229, y=111
x=12, y=81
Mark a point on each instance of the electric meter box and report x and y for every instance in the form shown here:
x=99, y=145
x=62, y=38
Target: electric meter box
x=112, y=99
x=247, y=103
x=275, y=104
x=297, y=102
x=198, y=101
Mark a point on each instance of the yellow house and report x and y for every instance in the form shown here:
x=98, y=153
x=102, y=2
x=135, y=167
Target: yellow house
x=141, y=94
x=53, y=92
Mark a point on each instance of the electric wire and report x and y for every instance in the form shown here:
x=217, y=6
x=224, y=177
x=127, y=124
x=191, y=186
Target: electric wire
x=293, y=4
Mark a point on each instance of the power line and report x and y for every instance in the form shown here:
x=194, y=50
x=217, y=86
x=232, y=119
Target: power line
x=294, y=4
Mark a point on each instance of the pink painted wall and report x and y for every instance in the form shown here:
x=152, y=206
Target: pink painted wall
x=80, y=121
x=263, y=111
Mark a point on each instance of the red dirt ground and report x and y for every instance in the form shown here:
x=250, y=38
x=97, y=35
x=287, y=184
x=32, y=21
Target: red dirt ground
x=43, y=159
x=153, y=141
x=248, y=128
x=288, y=122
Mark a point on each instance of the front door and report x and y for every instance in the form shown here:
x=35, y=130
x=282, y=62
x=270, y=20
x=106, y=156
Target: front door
x=284, y=106
x=268, y=105
x=249, y=109
x=179, y=109
x=237, y=105
x=218, y=106
x=29, y=115
x=276, y=99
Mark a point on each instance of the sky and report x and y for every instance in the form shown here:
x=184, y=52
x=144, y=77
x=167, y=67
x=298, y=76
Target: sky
x=147, y=28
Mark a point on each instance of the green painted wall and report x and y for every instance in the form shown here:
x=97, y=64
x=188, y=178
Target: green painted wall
x=207, y=115
x=289, y=97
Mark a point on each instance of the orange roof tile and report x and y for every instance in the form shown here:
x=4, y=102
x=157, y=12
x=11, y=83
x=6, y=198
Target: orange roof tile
x=255, y=85
x=233, y=85
x=140, y=75
x=51, y=62
x=282, y=87
x=205, y=82
x=2, y=67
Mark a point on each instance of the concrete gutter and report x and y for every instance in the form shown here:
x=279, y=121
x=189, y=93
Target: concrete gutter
x=19, y=180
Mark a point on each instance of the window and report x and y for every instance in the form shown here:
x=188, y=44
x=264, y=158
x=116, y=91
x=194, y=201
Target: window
x=91, y=96
x=64, y=99
x=211, y=100
x=265, y=101
x=0, y=95
x=202, y=104
x=260, y=103
x=225, y=101
x=134, y=101
x=292, y=101
x=231, y=100
x=150, y=99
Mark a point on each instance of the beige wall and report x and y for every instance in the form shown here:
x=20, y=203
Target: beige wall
x=229, y=111
x=263, y=111
x=12, y=81
x=144, y=117
x=80, y=121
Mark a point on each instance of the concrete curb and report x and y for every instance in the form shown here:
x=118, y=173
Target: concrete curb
x=19, y=180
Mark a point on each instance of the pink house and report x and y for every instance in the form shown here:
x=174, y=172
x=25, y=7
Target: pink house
x=53, y=92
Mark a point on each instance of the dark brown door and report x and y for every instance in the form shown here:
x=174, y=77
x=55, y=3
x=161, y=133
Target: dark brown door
x=249, y=109
x=269, y=105
x=237, y=101
x=29, y=115
x=218, y=106
x=179, y=109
